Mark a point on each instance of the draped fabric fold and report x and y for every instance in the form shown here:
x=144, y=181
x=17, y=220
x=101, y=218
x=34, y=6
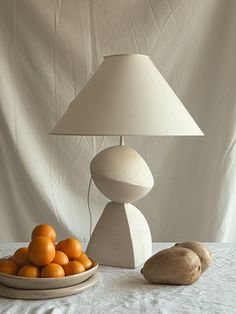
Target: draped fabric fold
x=49, y=50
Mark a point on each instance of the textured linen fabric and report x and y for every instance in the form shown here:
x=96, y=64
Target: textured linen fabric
x=49, y=50
x=123, y=290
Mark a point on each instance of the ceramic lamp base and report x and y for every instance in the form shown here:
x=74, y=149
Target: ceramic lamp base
x=121, y=237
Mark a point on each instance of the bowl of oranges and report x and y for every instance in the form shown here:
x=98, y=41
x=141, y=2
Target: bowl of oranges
x=45, y=264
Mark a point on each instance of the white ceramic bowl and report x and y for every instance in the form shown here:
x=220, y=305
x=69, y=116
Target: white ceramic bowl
x=46, y=283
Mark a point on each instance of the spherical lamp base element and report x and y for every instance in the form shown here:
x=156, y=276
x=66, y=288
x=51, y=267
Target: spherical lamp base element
x=121, y=237
x=121, y=174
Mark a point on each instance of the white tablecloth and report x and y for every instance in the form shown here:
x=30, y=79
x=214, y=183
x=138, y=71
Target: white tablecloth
x=125, y=290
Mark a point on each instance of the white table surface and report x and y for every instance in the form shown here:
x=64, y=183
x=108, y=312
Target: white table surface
x=125, y=290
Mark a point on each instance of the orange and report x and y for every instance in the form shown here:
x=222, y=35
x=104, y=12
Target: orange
x=10, y=258
x=73, y=268
x=41, y=251
x=61, y=258
x=83, y=259
x=45, y=231
x=71, y=246
x=21, y=257
x=52, y=270
x=31, y=271
x=58, y=245
x=8, y=267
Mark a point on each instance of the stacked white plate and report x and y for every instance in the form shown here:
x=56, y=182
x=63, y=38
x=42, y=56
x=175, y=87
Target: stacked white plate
x=17, y=287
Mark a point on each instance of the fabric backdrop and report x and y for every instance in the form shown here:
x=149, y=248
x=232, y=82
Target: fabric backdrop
x=48, y=51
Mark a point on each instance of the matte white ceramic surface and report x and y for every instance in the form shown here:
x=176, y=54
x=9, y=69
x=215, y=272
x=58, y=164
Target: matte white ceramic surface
x=121, y=237
x=46, y=283
x=121, y=174
x=14, y=293
x=127, y=96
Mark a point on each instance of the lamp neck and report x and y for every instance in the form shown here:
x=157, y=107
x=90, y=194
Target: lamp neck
x=122, y=140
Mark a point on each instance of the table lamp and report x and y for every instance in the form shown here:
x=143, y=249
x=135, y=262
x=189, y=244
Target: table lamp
x=127, y=95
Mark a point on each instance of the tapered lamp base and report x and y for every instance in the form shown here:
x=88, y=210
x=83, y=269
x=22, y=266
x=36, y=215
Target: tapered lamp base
x=121, y=237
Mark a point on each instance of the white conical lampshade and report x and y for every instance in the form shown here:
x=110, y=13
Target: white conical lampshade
x=127, y=96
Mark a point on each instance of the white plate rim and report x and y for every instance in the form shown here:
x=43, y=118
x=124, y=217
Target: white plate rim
x=43, y=281
x=40, y=294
